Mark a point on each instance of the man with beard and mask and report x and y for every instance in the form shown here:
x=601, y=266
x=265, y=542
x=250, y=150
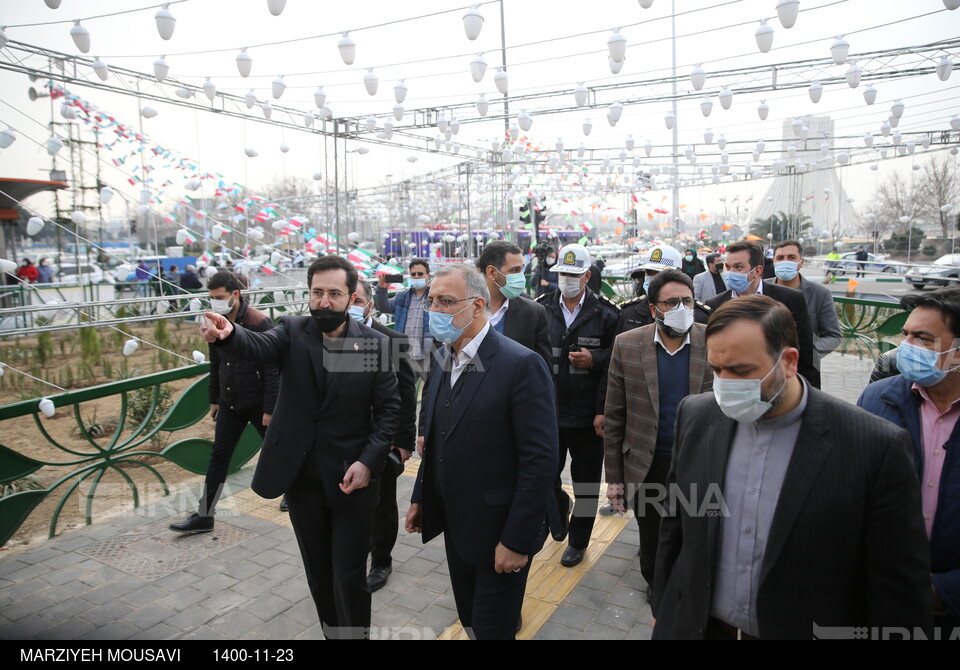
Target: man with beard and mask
x=651, y=370
x=336, y=417
x=582, y=327
x=240, y=392
x=790, y=514
x=385, y=520
x=543, y=280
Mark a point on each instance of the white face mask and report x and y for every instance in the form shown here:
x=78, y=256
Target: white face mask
x=569, y=286
x=742, y=399
x=680, y=319
x=222, y=307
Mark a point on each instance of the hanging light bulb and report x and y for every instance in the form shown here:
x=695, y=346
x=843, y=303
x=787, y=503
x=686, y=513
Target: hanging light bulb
x=478, y=67
x=951, y=4
x=843, y=158
x=787, y=11
x=804, y=131
x=398, y=112
x=101, y=69
x=648, y=147
x=706, y=105
x=587, y=127
x=646, y=4
x=925, y=141
x=815, y=91
x=47, y=407
x=615, y=66
x=388, y=129
x=854, y=72
x=267, y=109
x=278, y=87
x=615, y=112
x=34, y=225
x=454, y=126
x=617, y=45
x=67, y=112
x=244, y=63
x=764, y=36
x=839, y=50
x=708, y=136
x=52, y=4
x=870, y=95
x=473, y=22
x=81, y=37
x=348, y=49
x=524, y=120
x=868, y=140
x=209, y=89
x=761, y=145
x=500, y=79
x=670, y=120
x=897, y=108
x=276, y=6
x=7, y=137
x=722, y=142
x=400, y=91
x=442, y=123
x=192, y=184
x=944, y=68
x=580, y=94
x=796, y=126
x=885, y=128
x=698, y=76
x=308, y=119
x=78, y=217
x=319, y=97
x=371, y=123
x=371, y=81
x=161, y=68
x=54, y=144
x=955, y=122
x=250, y=99
x=184, y=92
x=726, y=98
x=165, y=22
x=763, y=110
x=148, y=112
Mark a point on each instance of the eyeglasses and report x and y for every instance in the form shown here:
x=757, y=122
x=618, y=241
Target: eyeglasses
x=443, y=303
x=333, y=295
x=671, y=303
x=418, y=274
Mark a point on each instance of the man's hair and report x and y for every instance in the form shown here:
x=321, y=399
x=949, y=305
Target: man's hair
x=190, y=268
x=476, y=284
x=756, y=253
x=665, y=277
x=224, y=279
x=709, y=259
x=333, y=262
x=495, y=254
x=788, y=243
x=779, y=329
x=367, y=292
x=419, y=261
x=944, y=300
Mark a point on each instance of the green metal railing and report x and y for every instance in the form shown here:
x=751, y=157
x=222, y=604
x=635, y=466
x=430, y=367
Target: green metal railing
x=865, y=323
x=97, y=459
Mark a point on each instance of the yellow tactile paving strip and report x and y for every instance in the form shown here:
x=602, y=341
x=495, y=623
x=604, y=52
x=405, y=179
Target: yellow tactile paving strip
x=548, y=584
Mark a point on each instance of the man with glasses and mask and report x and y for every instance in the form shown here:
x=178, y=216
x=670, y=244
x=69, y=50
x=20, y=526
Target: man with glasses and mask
x=336, y=416
x=651, y=370
x=385, y=520
x=489, y=457
x=925, y=400
x=790, y=514
x=241, y=392
x=744, y=277
x=408, y=312
x=582, y=327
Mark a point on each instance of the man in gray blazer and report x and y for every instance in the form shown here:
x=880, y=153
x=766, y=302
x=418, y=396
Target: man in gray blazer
x=791, y=514
x=824, y=323
x=710, y=283
x=652, y=368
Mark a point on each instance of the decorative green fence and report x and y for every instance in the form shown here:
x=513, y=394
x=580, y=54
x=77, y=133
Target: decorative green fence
x=93, y=463
x=865, y=324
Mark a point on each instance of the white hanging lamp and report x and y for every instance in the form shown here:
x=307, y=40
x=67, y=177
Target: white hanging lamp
x=708, y=136
x=726, y=98
x=501, y=80
x=165, y=22
x=192, y=184
x=706, y=105
x=67, y=112
x=371, y=82
x=483, y=105
x=815, y=91
x=473, y=22
x=34, y=225
x=371, y=123
x=442, y=123
x=277, y=87
x=267, y=109
x=870, y=94
x=524, y=120
x=648, y=147
x=955, y=123
x=7, y=137
x=897, y=108
x=617, y=46
x=944, y=68
x=398, y=112
x=951, y=4
x=615, y=66
x=698, y=77
x=587, y=126
x=160, y=68
x=148, y=112
x=319, y=97
x=764, y=36
x=348, y=49
x=478, y=67
x=839, y=50
x=646, y=4
x=760, y=146
x=78, y=217
x=787, y=11
x=796, y=126
x=580, y=94
x=868, y=140
x=209, y=89
x=853, y=75
x=250, y=99
x=308, y=119
x=276, y=6
x=722, y=142
x=400, y=91
x=630, y=142
x=244, y=63
x=81, y=37
x=454, y=126
x=885, y=128
x=52, y=4
x=615, y=112
x=670, y=120
x=54, y=144
x=101, y=68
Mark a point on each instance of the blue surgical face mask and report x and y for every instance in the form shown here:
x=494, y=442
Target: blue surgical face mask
x=786, y=270
x=646, y=285
x=442, y=328
x=356, y=311
x=418, y=283
x=737, y=281
x=919, y=364
x=516, y=284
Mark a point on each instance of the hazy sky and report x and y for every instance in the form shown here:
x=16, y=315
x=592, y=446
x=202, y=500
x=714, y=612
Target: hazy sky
x=433, y=56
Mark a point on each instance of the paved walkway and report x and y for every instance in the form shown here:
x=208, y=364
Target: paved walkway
x=132, y=578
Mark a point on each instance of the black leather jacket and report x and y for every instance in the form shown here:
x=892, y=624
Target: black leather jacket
x=238, y=384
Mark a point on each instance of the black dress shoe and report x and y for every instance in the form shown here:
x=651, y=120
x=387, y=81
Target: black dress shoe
x=572, y=556
x=607, y=510
x=284, y=507
x=564, y=506
x=377, y=578
x=195, y=524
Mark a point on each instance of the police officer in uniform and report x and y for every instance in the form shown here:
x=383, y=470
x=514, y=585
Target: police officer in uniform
x=582, y=327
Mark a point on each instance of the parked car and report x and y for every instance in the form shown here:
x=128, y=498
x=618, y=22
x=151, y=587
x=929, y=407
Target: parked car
x=90, y=273
x=873, y=263
x=944, y=272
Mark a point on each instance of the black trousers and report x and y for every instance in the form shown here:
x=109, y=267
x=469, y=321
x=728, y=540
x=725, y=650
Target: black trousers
x=385, y=519
x=230, y=426
x=333, y=545
x=647, y=506
x=586, y=468
x=488, y=603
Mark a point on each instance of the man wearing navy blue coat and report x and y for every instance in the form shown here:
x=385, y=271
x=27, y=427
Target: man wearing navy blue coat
x=489, y=457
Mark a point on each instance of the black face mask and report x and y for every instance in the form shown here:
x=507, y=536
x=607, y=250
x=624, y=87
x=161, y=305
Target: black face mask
x=328, y=320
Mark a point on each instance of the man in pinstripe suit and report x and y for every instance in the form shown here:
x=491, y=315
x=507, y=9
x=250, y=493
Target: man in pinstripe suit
x=800, y=512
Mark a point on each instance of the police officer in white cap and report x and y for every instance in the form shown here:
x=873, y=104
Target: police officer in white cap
x=582, y=327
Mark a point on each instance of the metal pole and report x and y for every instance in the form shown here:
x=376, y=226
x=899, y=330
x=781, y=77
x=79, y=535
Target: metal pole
x=676, y=129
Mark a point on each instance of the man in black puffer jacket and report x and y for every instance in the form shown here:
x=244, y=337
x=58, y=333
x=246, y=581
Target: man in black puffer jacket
x=241, y=392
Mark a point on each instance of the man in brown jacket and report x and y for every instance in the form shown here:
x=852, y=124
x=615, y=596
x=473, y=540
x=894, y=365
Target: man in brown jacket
x=652, y=369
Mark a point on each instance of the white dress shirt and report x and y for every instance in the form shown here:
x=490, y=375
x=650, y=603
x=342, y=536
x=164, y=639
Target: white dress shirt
x=466, y=355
